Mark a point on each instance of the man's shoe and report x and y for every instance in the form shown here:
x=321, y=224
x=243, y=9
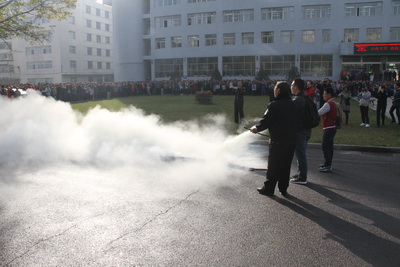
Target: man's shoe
x=264, y=191
x=362, y=124
x=298, y=181
x=283, y=193
x=366, y=125
x=295, y=176
x=326, y=169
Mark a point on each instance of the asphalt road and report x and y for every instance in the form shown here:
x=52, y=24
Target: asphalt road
x=79, y=216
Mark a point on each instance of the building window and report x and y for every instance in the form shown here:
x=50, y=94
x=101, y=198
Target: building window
x=313, y=12
x=364, y=9
x=72, y=64
x=108, y=53
x=98, y=12
x=166, y=67
x=239, y=15
x=202, y=66
x=168, y=21
x=38, y=50
x=211, y=39
x=107, y=14
x=71, y=20
x=89, y=51
x=168, y=2
x=88, y=23
x=374, y=34
x=160, y=43
x=89, y=37
x=98, y=25
x=239, y=66
x=267, y=37
x=395, y=34
x=277, y=65
x=193, y=41
x=277, y=13
x=88, y=9
x=99, y=65
x=395, y=7
x=107, y=27
x=72, y=49
x=99, y=52
x=308, y=36
x=351, y=35
x=176, y=41
x=201, y=18
x=108, y=40
x=71, y=35
x=37, y=65
x=198, y=1
x=316, y=65
x=229, y=39
x=90, y=65
x=287, y=37
x=98, y=38
x=108, y=65
x=326, y=36
x=247, y=38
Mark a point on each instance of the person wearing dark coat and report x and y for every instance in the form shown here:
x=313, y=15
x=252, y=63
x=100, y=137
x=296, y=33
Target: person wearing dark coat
x=281, y=121
x=239, y=103
x=381, y=96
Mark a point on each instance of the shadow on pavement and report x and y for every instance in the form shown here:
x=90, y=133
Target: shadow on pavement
x=366, y=245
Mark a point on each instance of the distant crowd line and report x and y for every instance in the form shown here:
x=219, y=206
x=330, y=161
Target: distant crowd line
x=89, y=91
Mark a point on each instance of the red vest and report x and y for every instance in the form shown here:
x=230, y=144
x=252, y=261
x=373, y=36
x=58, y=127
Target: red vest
x=329, y=118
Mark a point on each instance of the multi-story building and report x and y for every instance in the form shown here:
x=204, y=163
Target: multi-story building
x=322, y=38
x=80, y=49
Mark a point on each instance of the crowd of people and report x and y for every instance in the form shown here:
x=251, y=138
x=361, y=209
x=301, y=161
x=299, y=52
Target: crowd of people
x=345, y=89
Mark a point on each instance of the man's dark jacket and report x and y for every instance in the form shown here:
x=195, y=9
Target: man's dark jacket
x=281, y=120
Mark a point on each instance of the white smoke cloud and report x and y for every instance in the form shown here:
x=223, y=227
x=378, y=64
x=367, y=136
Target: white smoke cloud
x=38, y=131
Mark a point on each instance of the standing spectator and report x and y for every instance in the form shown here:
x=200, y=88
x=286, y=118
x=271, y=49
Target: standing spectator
x=303, y=134
x=345, y=96
x=381, y=96
x=328, y=113
x=395, y=104
x=280, y=119
x=239, y=102
x=364, y=98
x=310, y=90
x=317, y=98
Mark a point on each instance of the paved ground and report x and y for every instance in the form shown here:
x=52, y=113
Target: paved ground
x=75, y=216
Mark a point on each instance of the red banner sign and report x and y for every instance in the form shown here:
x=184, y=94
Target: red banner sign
x=374, y=49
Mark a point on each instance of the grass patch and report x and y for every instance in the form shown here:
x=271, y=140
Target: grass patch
x=185, y=108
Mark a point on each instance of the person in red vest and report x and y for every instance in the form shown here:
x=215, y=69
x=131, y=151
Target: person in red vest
x=328, y=113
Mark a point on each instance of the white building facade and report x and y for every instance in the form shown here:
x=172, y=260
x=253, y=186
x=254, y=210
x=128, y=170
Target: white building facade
x=80, y=49
x=155, y=39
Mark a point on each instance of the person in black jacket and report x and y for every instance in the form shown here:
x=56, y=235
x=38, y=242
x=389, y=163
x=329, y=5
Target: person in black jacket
x=381, y=96
x=239, y=102
x=280, y=120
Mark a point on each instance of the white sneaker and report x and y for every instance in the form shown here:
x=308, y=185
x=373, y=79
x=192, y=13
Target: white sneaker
x=362, y=124
x=366, y=125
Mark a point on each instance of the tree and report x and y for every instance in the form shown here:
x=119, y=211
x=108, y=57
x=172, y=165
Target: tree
x=293, y=74
x=216, y=75
x=21, y=18
x=262, y=75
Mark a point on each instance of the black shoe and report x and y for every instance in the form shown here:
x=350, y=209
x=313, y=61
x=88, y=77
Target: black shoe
x=264, y=191
x=283, y=193
x=298, y=181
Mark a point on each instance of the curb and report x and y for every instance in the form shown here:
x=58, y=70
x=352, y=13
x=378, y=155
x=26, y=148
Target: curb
x=371, y=149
